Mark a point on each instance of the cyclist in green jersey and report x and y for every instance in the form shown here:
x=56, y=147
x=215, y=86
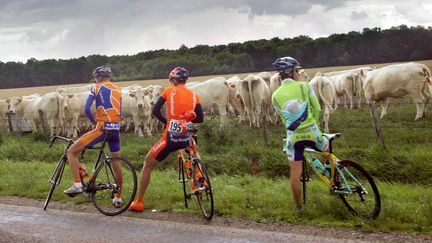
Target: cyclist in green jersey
x=297, y=105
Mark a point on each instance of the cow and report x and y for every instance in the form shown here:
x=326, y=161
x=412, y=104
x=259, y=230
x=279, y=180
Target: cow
x=3, y=111
x=136, y=104
x=326, y=93
x=236, y=104
x=189, y=84
x=154, y=93
x=255, y=94
x=75, y=89
x=265, y=76
x=28, y=108
x=361, y=71
x=73, y=106
x=214, y=92
x=396, y=81
x=348, y=85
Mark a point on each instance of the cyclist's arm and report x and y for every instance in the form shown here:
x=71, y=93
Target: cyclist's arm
x=199, y=114
x=157, y=110
x=316, y=108
x=87, y=108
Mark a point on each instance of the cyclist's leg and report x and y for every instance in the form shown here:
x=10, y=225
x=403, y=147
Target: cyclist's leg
x=157, y=153
x=295, y=168
x=87, y=140
x=114, y=146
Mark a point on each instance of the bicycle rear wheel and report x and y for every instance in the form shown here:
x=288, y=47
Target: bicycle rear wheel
x=357, y=190
x=55, y=179
x=204, y=191
x=114, y=176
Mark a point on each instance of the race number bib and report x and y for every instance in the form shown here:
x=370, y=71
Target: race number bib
x=175, y=127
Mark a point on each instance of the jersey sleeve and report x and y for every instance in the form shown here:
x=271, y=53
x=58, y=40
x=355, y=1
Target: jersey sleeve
x=164, y=93
x=315, y=105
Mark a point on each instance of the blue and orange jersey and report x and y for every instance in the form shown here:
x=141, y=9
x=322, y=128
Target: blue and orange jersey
x=108, y=102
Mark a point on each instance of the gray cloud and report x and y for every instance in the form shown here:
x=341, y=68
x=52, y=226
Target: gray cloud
x=358, y=15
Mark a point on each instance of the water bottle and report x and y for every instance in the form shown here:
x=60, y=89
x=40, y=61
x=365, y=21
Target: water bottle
x=316, y=163
x=327, y=169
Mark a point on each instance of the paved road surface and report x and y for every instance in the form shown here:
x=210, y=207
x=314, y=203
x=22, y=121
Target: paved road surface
x=29, y=224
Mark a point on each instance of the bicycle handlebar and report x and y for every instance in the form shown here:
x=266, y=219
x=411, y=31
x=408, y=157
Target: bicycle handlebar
x=54, y=138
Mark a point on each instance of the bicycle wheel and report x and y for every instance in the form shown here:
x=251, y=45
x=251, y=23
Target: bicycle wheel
x=114, y=176
x=204, y=191
x=183, y=179
x=357, y=190
x=55, y=179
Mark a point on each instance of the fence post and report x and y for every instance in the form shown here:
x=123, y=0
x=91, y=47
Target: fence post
x=10, y=127
x=265, y=130
x=43, y=125
x=377, y=124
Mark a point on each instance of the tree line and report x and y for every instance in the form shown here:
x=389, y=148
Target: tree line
x=372, y=45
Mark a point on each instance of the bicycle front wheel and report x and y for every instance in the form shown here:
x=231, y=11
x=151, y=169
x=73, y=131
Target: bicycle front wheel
x=55, y=180
x=357, y=190
x=115, y=178
x=203, y=190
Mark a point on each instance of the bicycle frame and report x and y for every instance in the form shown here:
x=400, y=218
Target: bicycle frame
x=95, y=167
x=310, y=153
x=192, y=153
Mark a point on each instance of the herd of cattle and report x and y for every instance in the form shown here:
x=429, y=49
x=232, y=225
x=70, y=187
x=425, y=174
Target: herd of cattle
x=248, y=98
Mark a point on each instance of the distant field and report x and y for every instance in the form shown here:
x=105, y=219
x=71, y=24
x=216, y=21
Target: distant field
x=7, y=93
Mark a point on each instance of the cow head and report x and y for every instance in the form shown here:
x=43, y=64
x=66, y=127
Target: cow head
x=15, y=105
x=66, y=101
x=140, y=97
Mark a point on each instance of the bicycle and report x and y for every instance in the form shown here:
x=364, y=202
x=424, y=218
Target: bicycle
x=344, y=178
x=105, y=180
x=191, y=168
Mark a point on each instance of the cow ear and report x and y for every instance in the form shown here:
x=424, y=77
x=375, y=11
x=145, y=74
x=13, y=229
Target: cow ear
x=70, y=95
x=362, y=73
x=131, y=93
x=7, y=100
x=232, y=86
x=146, y=92
x=20, y=99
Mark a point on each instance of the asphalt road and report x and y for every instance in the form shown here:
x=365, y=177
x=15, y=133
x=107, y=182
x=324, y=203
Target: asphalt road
x=30, y=224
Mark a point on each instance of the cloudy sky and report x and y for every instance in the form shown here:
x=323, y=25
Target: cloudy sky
x=64, y=29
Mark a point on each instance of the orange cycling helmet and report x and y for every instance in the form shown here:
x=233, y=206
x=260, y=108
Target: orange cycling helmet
x=180, y=74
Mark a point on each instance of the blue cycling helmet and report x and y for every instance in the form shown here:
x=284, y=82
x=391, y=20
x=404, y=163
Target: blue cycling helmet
x=286, y=64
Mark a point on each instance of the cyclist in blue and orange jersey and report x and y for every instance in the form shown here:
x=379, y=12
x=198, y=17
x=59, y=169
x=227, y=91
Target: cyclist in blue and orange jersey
x=299, y=109
x=108, y=115
x=182, y=107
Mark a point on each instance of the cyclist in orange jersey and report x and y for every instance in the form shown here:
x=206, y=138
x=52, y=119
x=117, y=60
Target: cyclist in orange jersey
x=108, y=114
x=182, y=107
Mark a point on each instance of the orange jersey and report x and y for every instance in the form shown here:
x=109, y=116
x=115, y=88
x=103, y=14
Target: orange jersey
x=179, y=99
x=108, y=101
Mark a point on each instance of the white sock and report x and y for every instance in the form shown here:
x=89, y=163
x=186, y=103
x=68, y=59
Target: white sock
x=78, y=184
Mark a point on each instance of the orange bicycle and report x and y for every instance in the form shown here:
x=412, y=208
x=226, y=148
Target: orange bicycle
x=191, y=168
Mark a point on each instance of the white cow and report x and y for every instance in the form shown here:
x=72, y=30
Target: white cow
x=397, y=81
x=154, y=93
x=361, y=70
x=3, y=111
x=265, y=76
x=73, y=106
x=136, y=104
x=236, y=103
x=214, y=92
x=255, y=95
x=326, y=93
x=189, y=84
x=348, y=85
x=28, y=108
x=75, y=89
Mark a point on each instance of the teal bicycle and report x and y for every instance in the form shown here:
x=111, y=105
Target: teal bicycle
x=344, y=178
